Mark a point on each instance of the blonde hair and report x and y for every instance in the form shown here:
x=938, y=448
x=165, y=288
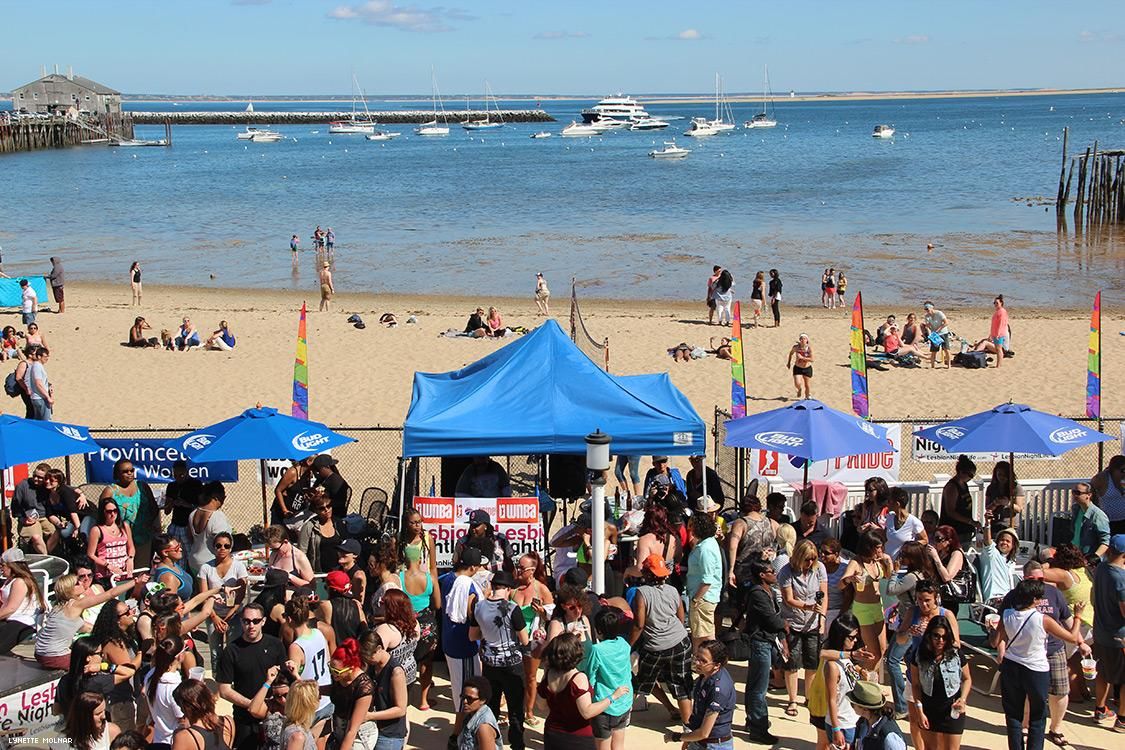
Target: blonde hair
x=786, y=538
x=300, y=706
x=64, y=588
x=801, y=554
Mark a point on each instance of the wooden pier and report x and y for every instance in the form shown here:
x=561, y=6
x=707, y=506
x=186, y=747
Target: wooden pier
x=1099, y=197
x=61, y=132
x=320, y=118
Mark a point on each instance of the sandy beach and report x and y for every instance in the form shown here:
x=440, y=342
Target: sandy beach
x=363, y=377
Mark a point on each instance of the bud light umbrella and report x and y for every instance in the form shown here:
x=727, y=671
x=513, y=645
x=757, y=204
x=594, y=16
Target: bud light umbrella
x=24, y=441
x=806, y=429
x=1012, y=428
x=258, y=433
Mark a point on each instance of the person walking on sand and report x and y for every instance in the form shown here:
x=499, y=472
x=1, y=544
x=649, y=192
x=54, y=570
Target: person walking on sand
x=802, y=368
x=715, y=271
x=542, y=295
x=757, y=295
x=841, y=287
x=135, y=281
x=775, y=297
x=57, y=280
x=29, y=304
x=326, y=288
x=724, y=296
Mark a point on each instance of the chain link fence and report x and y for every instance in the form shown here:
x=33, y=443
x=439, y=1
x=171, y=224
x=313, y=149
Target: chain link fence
x=734, y=468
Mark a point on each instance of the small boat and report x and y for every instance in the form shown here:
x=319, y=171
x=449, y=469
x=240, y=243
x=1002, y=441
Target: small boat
x=648, y=123
x=883, y=131
x=486, y=123
x=247, y=134
x=134, y=143
x=576, y=130
x=700, y=127
x=433, y=127
x=670, y=151
x=266, y=136
x=763, y=119
x=541, y=134
x=381, y=135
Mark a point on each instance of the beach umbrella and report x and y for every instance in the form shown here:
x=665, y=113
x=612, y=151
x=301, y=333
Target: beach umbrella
x=806, y=429
x=259, y=433
x=24, y=441
x=1012, y=428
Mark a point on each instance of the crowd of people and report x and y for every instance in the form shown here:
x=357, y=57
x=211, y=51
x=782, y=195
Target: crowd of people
x=186, y=338
x=338, y=633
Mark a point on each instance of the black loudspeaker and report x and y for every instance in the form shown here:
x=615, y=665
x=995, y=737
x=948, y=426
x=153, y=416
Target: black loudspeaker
x=1062, y=529
x=567, y=476
x=451, y=468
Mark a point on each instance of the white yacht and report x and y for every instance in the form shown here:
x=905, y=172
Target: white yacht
x=357, y=124
x=266, y=136
x=618, y=107
x=883, y=131
x=700, y=127
x=608, y=124
x=670, y=151
x=381, y=135
x=575, y=130
x=248, y=134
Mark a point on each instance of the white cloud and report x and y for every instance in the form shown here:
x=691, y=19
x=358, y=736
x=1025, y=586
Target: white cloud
x=404, y=18
x=1087, y=36
x=689, y=35
x=914, y=39
x=551, y=35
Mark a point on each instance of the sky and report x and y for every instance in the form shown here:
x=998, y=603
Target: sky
x=580, y=47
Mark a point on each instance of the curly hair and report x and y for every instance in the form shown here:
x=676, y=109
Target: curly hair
x=1068, y=557
x=398, y=611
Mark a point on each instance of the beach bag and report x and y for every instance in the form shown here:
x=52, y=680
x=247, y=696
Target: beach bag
x=818, y=694
x=11, y=385
x=971, y=360
x=737, y=643
x=962, y=588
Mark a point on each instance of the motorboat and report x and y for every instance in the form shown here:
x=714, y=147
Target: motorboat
x=883, y=131
x=760, y=120
x=763, y=119
x=605, y=124
x=618, y=107
x=670, y=151
x=135, y=143
x=266, y=136
x=247, y=134
x=576, y=130
x=700, y=127
x=541, y=134
x=648, y=123
x=382, y=135
x=432, y=128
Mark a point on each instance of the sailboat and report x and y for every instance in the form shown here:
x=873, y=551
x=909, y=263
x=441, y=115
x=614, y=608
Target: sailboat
x=724, y=118
x=433, y=127
x=763, y=118
x=487, y=123
x=356, y=125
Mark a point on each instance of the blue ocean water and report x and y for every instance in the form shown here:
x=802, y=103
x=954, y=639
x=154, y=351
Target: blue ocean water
x=480, y=213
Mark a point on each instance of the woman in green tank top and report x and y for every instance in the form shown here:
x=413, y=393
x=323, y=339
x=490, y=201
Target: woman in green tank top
x=418, y=584
x=532, y=596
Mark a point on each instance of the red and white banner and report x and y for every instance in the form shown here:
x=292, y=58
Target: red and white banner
x=447, y=520
x=846, y=469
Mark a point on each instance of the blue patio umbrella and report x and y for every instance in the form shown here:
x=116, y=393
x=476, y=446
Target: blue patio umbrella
x=24, y=441
x=258, y=433
x=806, y=429
x=1012, y=428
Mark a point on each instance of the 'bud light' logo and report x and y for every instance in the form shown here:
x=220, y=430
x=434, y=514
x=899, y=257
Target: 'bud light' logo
x=308, y=442
x=198, y=442
x=71, y=432
x=777, y=439
x=950, y=433
x=867, y=427
x=1067, y=435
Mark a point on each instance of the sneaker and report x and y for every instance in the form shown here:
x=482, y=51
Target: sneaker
x=762, y=738
x=1103, y=715
x=1119, y=726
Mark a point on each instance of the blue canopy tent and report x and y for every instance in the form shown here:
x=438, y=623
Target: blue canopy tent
x=542, y=395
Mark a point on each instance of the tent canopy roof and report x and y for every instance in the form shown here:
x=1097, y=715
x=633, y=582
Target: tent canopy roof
x=541, y=394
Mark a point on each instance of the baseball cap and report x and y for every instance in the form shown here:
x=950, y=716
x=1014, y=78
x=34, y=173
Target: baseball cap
x=503, y=580
x=471, y=556
x=478, y=517
x=338, y=580
x=349, y=547
x=660, y=459
x=323, y=461
x=1117, y=543
x=654, y=563
x=15, y=554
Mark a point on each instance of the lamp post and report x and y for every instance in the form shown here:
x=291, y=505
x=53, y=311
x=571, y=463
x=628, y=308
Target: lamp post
x=597, y=461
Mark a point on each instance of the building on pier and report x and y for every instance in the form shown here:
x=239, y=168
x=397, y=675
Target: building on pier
x=58, y=94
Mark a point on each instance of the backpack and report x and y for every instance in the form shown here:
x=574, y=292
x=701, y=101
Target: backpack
x=11, y=385
x=737, y=643
x=971, y=360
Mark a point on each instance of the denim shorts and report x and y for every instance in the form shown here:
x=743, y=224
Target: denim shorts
x=604, y=724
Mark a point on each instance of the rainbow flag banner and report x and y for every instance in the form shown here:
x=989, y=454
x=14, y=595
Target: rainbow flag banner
x=1094, y=362
x=860, y=404
x=301, y=370
x=737, y=366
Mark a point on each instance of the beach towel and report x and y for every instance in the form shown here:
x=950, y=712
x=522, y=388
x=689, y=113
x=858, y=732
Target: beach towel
x=457, y=603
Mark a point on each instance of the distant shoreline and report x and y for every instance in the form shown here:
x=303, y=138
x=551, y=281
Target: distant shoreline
x=828, y=96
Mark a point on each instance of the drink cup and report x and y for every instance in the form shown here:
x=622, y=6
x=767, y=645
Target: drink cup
x=229, y=596
x=861, y=581
x=954, y=714
x=992, y=620
x=196, y=673
x=1089, y=669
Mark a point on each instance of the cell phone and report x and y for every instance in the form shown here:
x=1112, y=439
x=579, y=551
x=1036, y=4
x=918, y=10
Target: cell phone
x=537, y=601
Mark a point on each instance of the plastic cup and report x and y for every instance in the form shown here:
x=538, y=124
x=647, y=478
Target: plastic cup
x=861, y=582
x=954, y=714
x=992, y=620
x=1089, y=669
x=196, y=673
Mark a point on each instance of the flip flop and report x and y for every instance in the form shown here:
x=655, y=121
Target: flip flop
x=1058, y=739
x=791, y=709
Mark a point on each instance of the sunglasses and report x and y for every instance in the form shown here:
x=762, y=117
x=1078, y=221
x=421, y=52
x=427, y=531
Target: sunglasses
x=940, y=539
x=110, y=511
x=937, y=637
x=80, y=576
x=253, y=620
x=470, y=698
x=341, y=670
x=223, y=546
x=851, y=636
